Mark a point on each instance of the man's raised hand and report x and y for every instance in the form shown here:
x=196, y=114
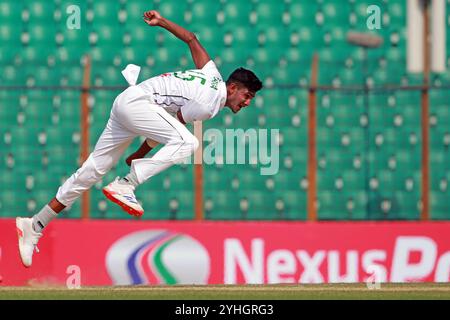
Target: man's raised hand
x=152, y=18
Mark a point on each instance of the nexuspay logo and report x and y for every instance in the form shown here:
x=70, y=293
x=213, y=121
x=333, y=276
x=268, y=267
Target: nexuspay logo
x=157, y=257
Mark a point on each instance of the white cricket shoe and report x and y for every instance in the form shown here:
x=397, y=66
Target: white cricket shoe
x=123, y=195
x=28, y=239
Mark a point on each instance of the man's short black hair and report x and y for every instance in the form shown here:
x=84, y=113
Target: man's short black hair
x=247, y=78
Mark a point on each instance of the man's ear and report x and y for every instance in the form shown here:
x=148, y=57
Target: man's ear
x=233, y=87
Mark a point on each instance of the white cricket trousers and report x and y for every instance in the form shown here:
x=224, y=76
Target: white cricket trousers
x=132, y=115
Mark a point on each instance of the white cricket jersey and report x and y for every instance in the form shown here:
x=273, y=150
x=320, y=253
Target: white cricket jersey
x=199, y=94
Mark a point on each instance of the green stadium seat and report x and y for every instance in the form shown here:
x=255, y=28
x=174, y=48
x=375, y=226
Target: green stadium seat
x=439, y=206
x=409, y=205
x=11, y=35
x=172, y=10
x=137, y=8
x=225, y=206
x=269, y=13
x=10, y=203
x=10, y=11
x=204, y=13
x=356, y=205
x=178, y=178
x=237, y=12
x=105, y=12
x=263, y=206
x=186, y=207
x=106, y=35
x=336, y=13
x=331, y=206
x=41, y=11
x=294, y=203
x=74, y=212
x=303, y=13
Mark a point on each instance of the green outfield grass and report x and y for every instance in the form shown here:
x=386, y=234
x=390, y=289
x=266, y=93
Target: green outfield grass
x=246, y=292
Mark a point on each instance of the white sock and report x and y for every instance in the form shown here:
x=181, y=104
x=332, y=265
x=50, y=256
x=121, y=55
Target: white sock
x=131, y=179
x=43, y=218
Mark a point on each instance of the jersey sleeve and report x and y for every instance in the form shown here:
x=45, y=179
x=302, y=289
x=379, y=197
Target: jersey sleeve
x=210, y=68
x=194, y=111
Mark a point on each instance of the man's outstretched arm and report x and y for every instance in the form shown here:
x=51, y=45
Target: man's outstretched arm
x=199, y=54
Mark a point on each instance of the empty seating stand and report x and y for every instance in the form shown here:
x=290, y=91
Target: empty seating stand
x=369, y=146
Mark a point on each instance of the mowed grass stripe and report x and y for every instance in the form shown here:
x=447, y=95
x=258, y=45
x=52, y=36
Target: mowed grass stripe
x=226, y=292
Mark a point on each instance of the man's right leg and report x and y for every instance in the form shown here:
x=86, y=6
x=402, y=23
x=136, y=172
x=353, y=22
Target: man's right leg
x=154, y=123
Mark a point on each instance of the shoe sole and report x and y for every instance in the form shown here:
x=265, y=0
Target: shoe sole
x=19, y=230
x=124, y=207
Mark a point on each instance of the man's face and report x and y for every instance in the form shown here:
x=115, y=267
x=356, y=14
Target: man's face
x=239, y=97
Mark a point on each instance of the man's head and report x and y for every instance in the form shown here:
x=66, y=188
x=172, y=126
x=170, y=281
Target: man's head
x=242, y=86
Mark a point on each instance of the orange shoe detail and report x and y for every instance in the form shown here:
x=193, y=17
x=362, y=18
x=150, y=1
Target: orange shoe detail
x=124, y=207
